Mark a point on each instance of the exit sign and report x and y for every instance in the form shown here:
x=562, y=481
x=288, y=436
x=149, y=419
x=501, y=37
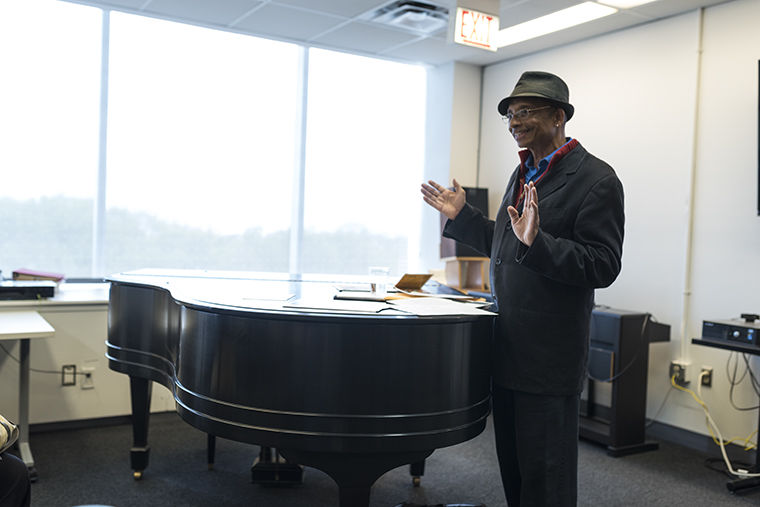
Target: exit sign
x=477, y=29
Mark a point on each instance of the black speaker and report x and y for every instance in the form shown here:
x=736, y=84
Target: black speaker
x=477, y=197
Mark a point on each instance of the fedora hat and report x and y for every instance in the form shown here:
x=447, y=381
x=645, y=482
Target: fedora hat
x=540, y=85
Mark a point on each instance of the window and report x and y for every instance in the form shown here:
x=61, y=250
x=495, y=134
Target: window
x=364, y=163
x=201, y=135
x=49, y=116
x=200, y=143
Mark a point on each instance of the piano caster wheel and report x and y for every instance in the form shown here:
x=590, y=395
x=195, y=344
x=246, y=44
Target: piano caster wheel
x=137, y=475
x=416, y=481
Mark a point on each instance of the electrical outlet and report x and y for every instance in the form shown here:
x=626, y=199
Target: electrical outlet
x=706, y=376
x=69, y=375
x=681, y=371
x=88, y=377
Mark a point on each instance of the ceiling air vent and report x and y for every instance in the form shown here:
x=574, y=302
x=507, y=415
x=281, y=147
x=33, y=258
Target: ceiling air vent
x=418, y=17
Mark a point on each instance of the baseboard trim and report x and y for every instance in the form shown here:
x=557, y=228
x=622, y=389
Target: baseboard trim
x=78, y=424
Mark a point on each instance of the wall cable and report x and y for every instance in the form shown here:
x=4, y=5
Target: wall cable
x=36, y=370
x=711, y=425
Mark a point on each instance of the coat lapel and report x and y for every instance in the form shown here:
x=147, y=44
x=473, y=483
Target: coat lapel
x=559, y=174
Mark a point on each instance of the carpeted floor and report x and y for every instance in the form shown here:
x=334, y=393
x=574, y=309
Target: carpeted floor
x=91, y=466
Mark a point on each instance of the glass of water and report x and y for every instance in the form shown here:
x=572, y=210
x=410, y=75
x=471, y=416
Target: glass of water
x=378, y=280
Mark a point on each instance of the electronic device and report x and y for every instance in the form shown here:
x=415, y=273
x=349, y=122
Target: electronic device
x=619, y=357
x=16, y=289
x=745, y=330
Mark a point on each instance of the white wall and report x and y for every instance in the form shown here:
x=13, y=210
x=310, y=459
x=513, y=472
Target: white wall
x=465, y=129
x=451, y=143
x=635, y=94
x=726, y=226
x=81, y=331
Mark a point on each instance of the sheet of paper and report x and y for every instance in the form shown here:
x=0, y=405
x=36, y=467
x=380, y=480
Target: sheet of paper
x=438, y=306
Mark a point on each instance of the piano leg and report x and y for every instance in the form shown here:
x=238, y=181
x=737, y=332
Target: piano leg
x=140, y=391
x=417, y=470
x=354, y=473
x=210, y=450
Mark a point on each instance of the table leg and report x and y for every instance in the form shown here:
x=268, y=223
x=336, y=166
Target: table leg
x=23, y=409
x=748, y=482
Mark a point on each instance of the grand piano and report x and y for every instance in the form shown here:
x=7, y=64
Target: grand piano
x=353, y=391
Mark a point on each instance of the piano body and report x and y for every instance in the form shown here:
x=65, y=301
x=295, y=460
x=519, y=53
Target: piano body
x=351, y=394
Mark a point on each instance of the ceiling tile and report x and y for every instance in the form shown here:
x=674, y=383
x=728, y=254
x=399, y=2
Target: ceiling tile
x=668, y=8
x=365, y=37
x=218, y=12
x=131, y=5
x=345, y=8
x=287, y=22
x=434, y=51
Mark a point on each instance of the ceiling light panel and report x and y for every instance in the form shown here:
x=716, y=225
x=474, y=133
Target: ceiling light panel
x=625, y=4
x=553, y=22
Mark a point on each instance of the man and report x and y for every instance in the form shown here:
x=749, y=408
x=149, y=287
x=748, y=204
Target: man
x=546, y=261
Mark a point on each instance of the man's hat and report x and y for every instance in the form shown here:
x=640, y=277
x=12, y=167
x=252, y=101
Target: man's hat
x=540, y=85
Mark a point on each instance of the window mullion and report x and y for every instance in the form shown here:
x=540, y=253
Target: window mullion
x=299, y=166
x=99, y=206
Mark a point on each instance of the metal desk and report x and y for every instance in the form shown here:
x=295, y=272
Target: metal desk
x=24, y=326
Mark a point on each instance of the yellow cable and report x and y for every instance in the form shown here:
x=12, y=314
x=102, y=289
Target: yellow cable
x=711, y=425
x=747, y=444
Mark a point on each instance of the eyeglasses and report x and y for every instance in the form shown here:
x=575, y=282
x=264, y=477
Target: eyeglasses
x=521, y=114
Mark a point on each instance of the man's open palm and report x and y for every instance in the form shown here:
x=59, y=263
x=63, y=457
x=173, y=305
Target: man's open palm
x=525, y=226
x=448, y=202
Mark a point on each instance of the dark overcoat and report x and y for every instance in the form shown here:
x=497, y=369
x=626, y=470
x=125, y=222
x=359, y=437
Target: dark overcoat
x=545, y=293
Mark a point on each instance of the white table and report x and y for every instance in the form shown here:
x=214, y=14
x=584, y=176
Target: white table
x=24, y=326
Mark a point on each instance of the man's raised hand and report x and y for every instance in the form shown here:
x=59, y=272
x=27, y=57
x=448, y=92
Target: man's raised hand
x=448, y=202
x=525, y=226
